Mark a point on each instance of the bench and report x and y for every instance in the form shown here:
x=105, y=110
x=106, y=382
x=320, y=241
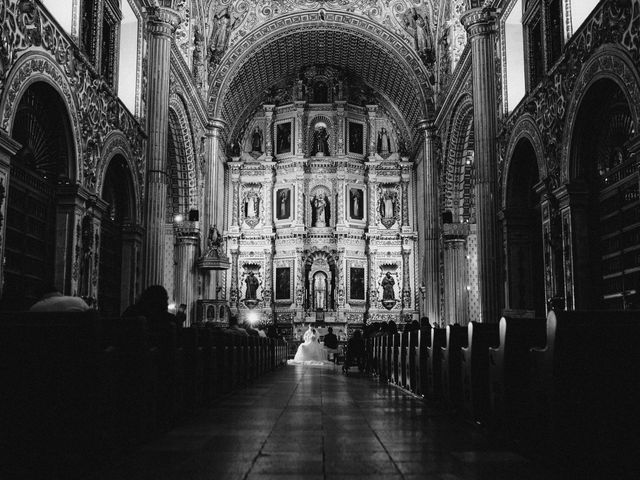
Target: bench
x=475, y=371
x=456, y=338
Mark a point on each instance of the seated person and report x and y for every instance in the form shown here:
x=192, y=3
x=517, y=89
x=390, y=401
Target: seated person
x=331, y=343
x=51, y=300
x=355, y=351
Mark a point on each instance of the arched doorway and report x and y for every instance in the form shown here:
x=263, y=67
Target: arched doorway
x=118, y=194
x=606, y=223
x=523, y=233
x=45, y=159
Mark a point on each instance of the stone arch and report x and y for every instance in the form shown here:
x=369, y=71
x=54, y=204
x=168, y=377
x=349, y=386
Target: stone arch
x=458, y=165
x=522, y=226
x=30, y=69
x=116, y=143
x=182, y=165
x=525, y=128
x=610, y=63
x=406, y=74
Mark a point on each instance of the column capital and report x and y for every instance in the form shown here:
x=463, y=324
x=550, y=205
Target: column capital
x=216, y=126
x=479, y=21
x=162, y=21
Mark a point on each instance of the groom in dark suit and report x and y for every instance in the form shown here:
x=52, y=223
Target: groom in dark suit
x=330, y=340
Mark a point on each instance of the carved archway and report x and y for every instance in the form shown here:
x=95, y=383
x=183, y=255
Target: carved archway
x=385, y=61
x=34, y=68
x=41, y=175
x=522, y=222
x=610, y=63
x=459, y=174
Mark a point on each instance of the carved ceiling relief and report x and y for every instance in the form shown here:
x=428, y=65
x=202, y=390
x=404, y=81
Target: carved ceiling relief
x=229, y=21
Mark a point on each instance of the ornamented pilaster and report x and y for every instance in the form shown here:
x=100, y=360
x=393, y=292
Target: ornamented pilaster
x=161, y=24
x=480, y=24
x=187, y=240
x=235, y=205
x=214, y=195
x=267, y=290
x=429, y=216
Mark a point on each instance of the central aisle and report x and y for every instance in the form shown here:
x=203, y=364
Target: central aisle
x=312, y=422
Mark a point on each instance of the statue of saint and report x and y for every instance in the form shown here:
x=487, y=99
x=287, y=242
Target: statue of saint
x=320, y=291
x=387, y=287
x=256, y=140
x=252, y=286
x=320, y=142
x=252, y=210
x=387, y=206
x=384, y=143
x=214, y=240
x=319, y=203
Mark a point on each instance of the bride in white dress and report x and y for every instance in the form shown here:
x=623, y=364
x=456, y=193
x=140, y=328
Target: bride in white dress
x=310, y=350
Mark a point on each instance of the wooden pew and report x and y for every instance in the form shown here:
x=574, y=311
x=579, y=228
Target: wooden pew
x=475, y=370
x=434, y=363
x=422, y=356
x=456, y=338
x=510, y=375
x=410, y=361
x=404, y=359
x=395, y=357
x=585, y=390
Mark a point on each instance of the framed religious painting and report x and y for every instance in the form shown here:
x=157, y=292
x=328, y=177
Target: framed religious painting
x=283, y=285
x=355, y=135
x=283, y=204
x=356, y=283
x=284, y=135
x=356, y=199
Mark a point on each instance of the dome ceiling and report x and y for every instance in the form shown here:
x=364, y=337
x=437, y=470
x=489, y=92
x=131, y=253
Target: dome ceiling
x=281, y=48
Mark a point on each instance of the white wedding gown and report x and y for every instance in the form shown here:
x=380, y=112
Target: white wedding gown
x=310, y=351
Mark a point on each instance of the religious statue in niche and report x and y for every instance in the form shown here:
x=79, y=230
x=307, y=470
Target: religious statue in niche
x=256, y=140
x=355, y=138
x=252, y=284
x=252, y=209
x=388, y=293
x=356, y=207
x=320, y=141
x=198, y=64
x=283, y=283
x=320, y=212
x=384, y=142
x=234, y=148
x=417, y=25
x=283, y=207
x=388, y=207
x=283, y=136
x=320, y=291
x=356, y=283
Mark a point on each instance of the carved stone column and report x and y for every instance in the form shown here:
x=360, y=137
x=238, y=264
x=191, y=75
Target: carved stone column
x=456, y=274
x=234, y=291
x=214, y=196
x=406, y=279
x=187, y=240
x=161, y=24
x=429, y=216
x=340, y=150
x=480, y=25
x=268, y=129
x=372, y=114
x=299, y=150
x=372, y=185
x=267, y=289
x=404, y=184
x=235, y=200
